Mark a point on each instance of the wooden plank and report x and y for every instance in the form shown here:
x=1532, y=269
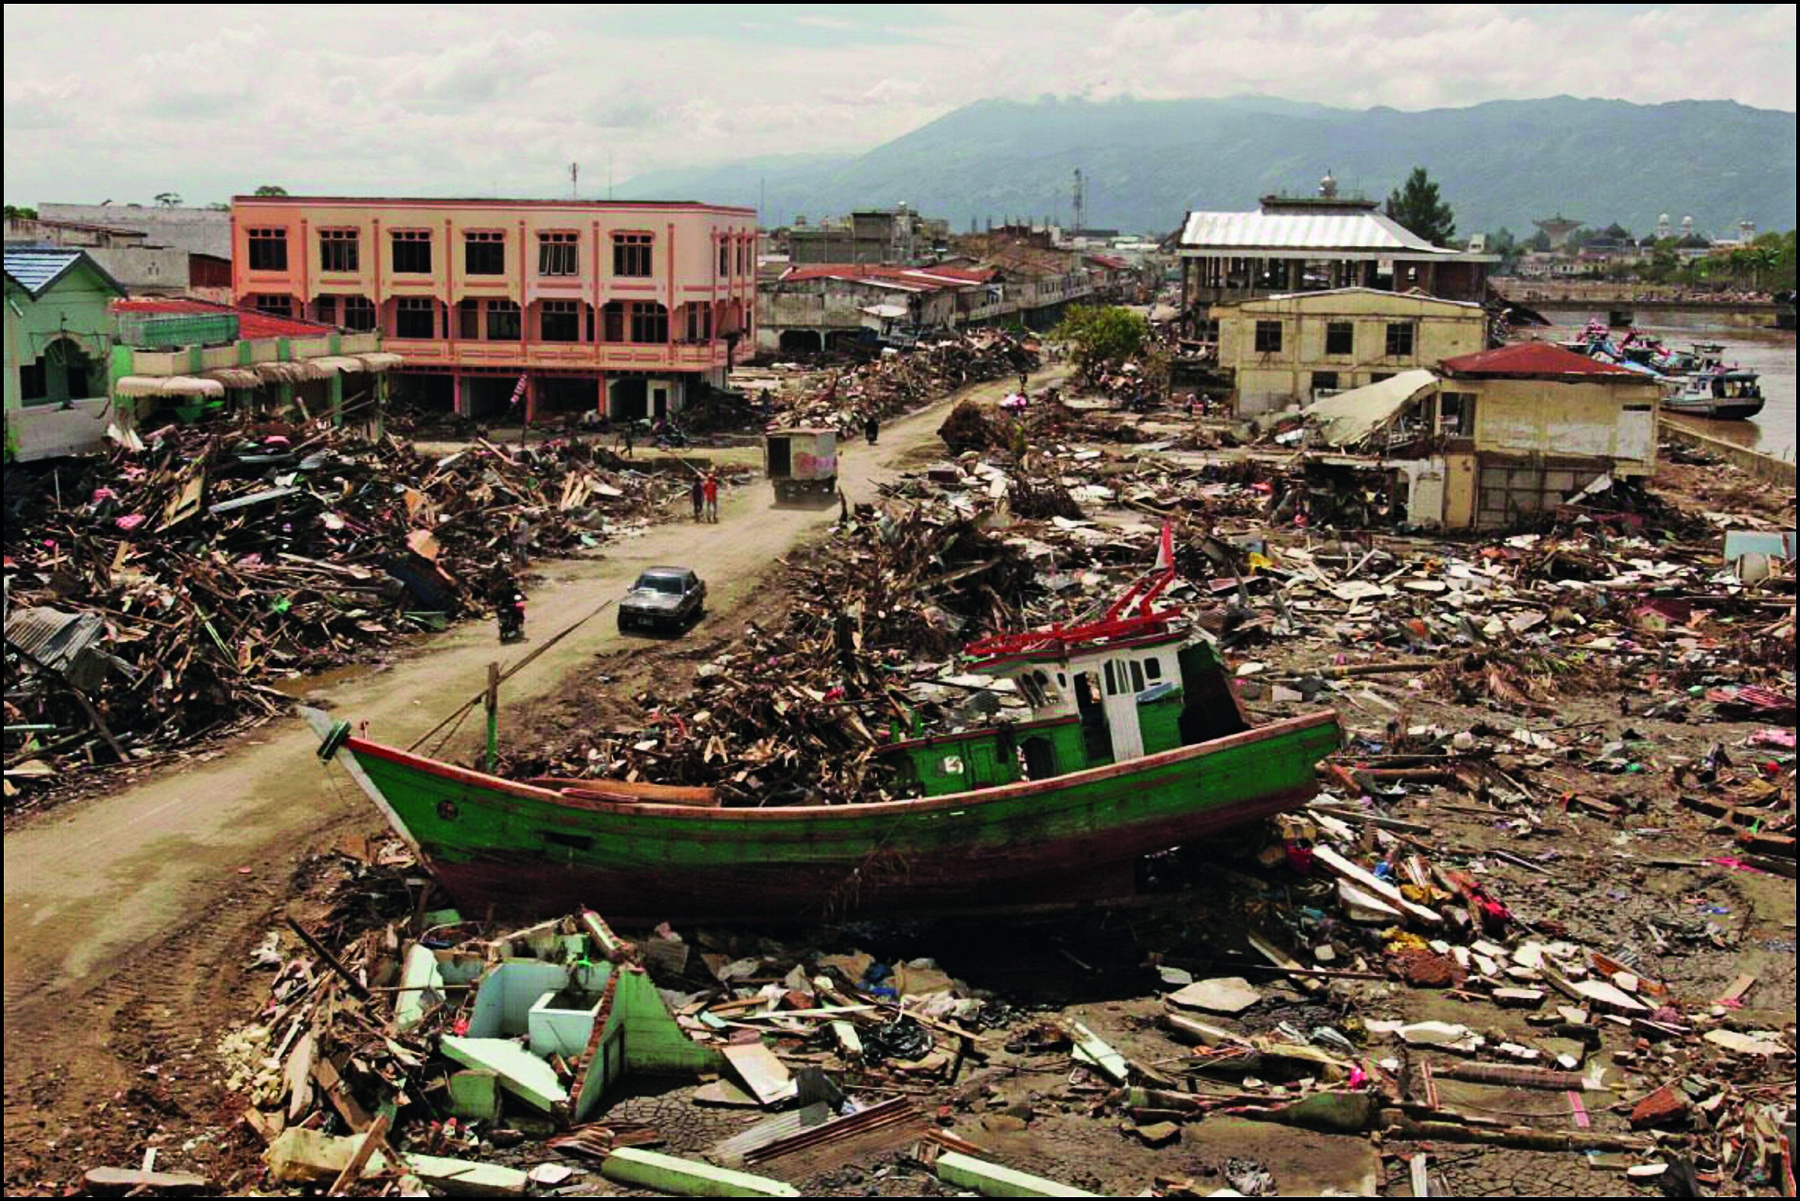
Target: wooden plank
x=767, y=1078
x=131, y=1179
x=298, y=1074
x=377, y=1132
x=1286, y=962
x=1734, y=993
x=1339, y=866
x=1421, y=1182
x=326, y=1074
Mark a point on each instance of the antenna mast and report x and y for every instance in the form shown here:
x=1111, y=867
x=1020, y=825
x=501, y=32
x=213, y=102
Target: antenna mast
x=1080, y=199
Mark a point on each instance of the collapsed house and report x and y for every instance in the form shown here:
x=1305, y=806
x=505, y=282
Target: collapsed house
x=1488, y=440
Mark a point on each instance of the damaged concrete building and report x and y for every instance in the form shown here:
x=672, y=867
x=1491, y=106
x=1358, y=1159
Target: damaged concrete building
x=1488, y=440
x=1298, y=346
x=826, y=307
x=1313, y=244
x=896, y=236
x=556, y=306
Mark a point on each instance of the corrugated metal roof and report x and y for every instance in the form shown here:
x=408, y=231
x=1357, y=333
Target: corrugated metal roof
x=1533, y=359
x=1349, y=417
x=911, y=279
x=52, y=637
x=35, y=268
x=1302, y=231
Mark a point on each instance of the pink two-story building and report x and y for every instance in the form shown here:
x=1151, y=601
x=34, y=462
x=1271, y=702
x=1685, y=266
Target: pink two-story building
x=567, y=305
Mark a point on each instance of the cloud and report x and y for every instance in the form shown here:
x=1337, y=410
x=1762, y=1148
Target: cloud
x=452, y=99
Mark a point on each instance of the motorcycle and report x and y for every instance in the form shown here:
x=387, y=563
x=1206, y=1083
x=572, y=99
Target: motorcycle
x=669, y=437
x=511, y=615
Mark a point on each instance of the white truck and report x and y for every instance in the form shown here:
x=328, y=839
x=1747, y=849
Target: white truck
x=801, y=463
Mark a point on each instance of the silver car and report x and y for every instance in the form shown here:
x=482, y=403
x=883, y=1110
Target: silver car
x=663, y=598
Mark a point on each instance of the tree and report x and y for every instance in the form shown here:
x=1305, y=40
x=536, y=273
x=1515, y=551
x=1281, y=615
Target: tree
x=1417, y=208
x=20, y=211
x=1617, y=232
x=1506, y=244
x=168, y=200
x=1539, y=241
x=1664, y=262
x=270, y=189
x=1102, y=335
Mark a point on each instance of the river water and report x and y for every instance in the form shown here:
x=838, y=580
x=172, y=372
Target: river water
x=1748, y=343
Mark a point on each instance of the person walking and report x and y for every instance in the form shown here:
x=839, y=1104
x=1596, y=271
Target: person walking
x=871, y=427
x=697, y=494
x=625, y=434
x=710, y=489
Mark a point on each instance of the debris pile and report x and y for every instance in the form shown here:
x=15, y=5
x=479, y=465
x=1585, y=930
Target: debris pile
x=898, y=382
x=155, y=595
x=794, y=715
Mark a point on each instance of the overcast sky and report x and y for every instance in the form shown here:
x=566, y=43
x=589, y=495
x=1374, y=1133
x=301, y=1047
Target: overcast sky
x=123, y=102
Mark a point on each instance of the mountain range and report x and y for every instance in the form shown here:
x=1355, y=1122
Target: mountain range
x=1147, y=162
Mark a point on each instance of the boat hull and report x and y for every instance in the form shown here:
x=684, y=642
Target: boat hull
x=525, y=851
x=1717, y=410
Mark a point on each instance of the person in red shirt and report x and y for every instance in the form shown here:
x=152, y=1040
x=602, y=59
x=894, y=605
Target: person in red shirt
x=711, y=488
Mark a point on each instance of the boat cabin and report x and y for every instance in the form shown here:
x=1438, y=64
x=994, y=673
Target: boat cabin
x=1091, y=705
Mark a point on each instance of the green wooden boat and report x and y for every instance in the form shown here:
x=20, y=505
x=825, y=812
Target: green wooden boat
x=1136, y=743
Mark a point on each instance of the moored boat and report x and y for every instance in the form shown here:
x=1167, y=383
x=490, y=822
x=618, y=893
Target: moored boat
x=1136, y=743
x=1725, y=393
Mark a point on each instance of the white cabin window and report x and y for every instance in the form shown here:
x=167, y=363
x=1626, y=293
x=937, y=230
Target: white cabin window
x=1034, y=695
x=1112, y=680
x=1137, y=676
x=1153, y=669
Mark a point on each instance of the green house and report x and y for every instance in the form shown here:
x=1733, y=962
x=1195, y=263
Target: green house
x=58, y=342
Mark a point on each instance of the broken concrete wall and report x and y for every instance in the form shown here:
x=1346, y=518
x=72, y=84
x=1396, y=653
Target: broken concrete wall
x=1613, y=423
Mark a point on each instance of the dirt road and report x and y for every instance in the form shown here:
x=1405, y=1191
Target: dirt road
x=132, y=909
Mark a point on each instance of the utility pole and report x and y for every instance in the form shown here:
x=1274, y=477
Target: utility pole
x=1080, y=202
x=574, y=173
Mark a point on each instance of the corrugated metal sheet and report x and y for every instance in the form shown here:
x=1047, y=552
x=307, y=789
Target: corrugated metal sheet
x=62, y=642
x=1301, y=231
x=1531, y=359
x=36, y=269
x=1349, y=417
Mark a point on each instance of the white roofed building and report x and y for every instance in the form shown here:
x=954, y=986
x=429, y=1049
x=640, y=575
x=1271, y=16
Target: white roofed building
x=1315, y=244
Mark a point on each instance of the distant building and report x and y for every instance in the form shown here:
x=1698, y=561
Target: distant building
x=198, y=230
x=558, y=305
x=1013, y=274
x=1664, y=229
x=1314, y=244
x=58, y=342
x=825, y=306
x=1289, y=348
x=886, y=237
x=132, y=256
x=1557, y=229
